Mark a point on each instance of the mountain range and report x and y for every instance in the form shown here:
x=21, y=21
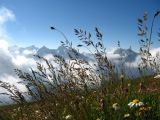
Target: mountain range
x=128, y=54
x=117, y=56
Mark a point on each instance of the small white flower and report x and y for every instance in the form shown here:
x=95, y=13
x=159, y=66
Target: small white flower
x=57, y=104
x=36, y=111
x=157, y=76
x=136, y=103
x=129, y=84
x=68, y=117
x=19, y=109
x=116, y=106
x=126, y=115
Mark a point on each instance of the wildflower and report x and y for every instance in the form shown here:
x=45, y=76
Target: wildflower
x=102, y=103
x=149, y=108
x=121, y=77
x=143, y=110
x=136, y=103
x=141, y=87
x=68, y=117
x=57, y=104
x=98, y=119
x=19, y=109
x=157, y=76
x=116, y=106
x=129, y=84
x=36, y=111
x=126, y=115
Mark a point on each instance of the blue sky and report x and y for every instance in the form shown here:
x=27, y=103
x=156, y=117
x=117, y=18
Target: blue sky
x=117, y=19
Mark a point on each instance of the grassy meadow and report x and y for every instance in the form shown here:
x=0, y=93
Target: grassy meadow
x=87, y=93
x=111, y=103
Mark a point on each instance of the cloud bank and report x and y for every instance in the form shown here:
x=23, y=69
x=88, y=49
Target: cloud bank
x=8, y=61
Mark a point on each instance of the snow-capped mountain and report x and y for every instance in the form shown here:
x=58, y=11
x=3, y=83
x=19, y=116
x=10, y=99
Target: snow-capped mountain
x=125, y=59
x=44, y=51
x=128, y=55
x=62, y=51
x=116, y=55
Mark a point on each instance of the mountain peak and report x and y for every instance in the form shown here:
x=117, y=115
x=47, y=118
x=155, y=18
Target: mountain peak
x=32, y=47
x=124, y=52
x=43, y=47
x=61, y=48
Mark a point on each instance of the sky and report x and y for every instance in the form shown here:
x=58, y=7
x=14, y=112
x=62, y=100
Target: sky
x=28, y=21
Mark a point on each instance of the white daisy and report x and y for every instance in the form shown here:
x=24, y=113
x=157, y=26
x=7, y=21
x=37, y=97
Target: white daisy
x=126, y=115
x=116, y=106
x=136, y=103
x=157, y=76
x=68, y=117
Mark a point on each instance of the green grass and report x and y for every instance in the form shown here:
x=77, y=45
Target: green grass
x=74, y=100
x=93, y=104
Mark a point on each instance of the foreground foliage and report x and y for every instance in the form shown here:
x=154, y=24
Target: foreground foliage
x=95, y=104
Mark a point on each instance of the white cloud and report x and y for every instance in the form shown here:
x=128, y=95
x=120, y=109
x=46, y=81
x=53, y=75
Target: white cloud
x=3, y=45
x=20, y=60
x=6, y=15
x=155, y=51
x=26, y=52
x=8, y=61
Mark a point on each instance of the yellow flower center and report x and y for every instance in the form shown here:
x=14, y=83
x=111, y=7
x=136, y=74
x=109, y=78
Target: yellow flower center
x=145, y=108
x=142, y=109
x=135, y=101
x=122, y=77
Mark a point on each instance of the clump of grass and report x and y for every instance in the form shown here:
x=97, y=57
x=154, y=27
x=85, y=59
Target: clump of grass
x=145, y=33
x=94, y=104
